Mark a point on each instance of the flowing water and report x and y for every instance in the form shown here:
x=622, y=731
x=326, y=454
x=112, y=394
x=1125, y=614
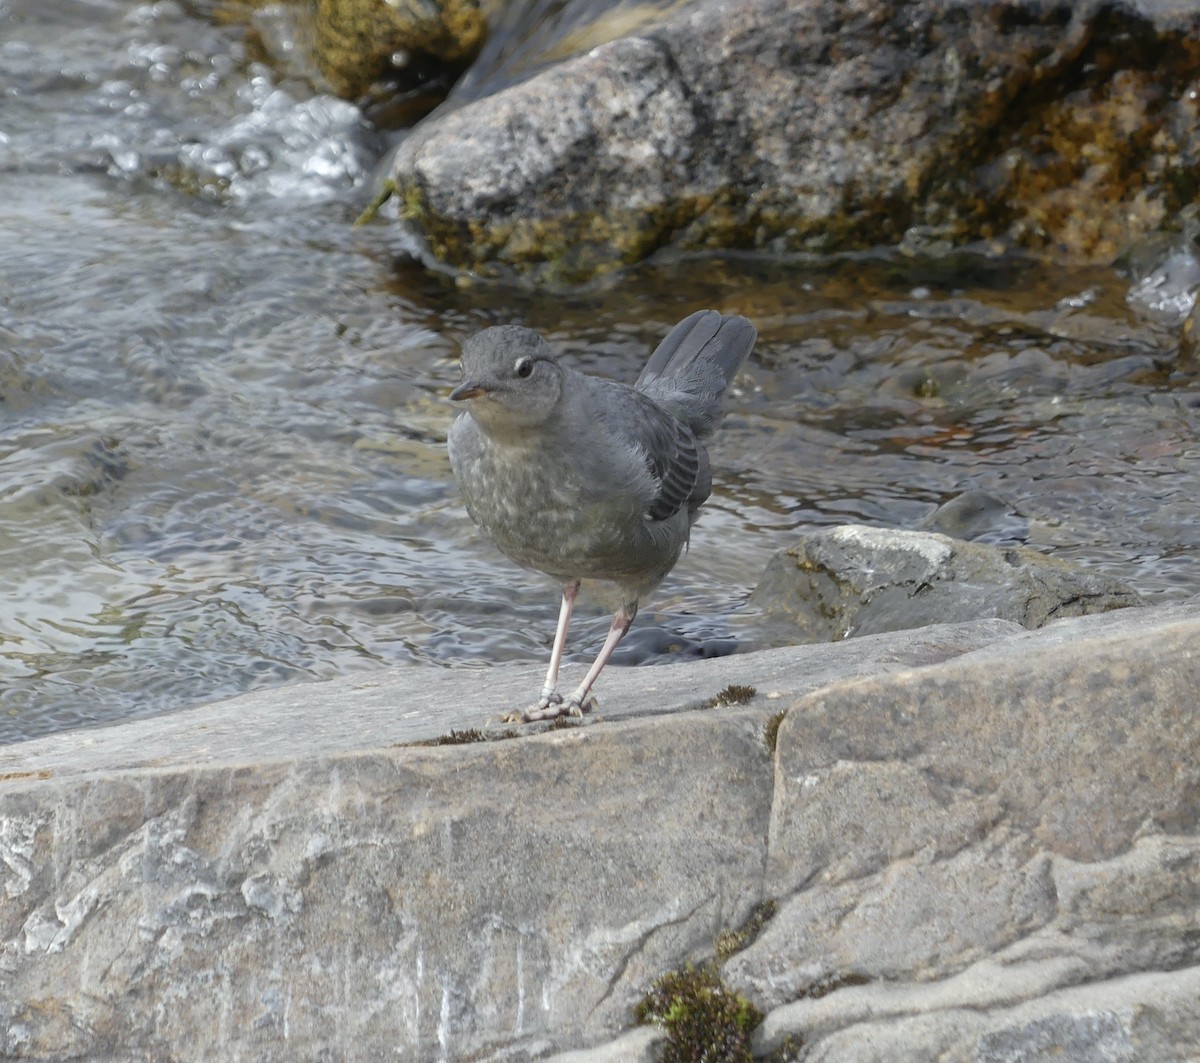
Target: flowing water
x=222, y=411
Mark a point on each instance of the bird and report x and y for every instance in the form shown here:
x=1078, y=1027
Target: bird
x=585, y=478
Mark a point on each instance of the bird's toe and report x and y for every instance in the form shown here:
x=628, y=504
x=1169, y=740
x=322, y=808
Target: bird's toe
x=515, y=716
x=543, y=712
x=575, y=707
x=549, y=707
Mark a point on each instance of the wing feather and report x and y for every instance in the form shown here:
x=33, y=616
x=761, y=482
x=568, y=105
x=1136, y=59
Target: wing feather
x=675, y=459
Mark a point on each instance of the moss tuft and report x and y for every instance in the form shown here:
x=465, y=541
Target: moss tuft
x=735, y=940
x=771, y=731
x=734, y=694
x=459, y=738
x=705, y=1021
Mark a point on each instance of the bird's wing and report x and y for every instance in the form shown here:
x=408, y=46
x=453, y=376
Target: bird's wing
x=677, y=470
x=676, y=461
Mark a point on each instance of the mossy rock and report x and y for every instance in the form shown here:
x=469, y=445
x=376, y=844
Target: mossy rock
x=358, y=41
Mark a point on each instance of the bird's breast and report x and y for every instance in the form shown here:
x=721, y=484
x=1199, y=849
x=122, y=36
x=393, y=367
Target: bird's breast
x=543, y=510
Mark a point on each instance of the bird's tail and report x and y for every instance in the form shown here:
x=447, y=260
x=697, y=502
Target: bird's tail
x=689, y=371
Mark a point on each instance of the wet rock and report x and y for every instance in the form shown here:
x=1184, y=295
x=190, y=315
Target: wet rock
x=360, y=42
x=977, y=836
x=856, y=580
x=819, y=125
x=978, y=516
x=410, y=50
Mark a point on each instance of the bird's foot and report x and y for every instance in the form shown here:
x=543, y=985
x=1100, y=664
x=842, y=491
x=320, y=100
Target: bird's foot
x=551, y=707
x=575, y=707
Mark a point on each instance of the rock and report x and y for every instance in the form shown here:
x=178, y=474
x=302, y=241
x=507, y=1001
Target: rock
x=980, y=517
x=641, y=1045
x=360, y=42
x=449, y=901
x=857, y=580
x=1147, y=1017
x=1009, y=825
x=201, y=885
x=398, y=59
x=816, y=125
x=967, y=829
x=408, y=706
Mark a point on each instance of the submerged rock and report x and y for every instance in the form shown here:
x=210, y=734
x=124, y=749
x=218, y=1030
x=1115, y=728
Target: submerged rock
x=857, y=580
x=819, y=125
x=980, y=517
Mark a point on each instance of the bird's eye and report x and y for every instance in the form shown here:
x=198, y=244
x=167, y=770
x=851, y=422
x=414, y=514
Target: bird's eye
x=524, y=367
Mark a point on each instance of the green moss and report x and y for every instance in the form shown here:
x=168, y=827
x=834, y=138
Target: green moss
x=567, y=247
x=459, y=738
x=412, y=204
x=353, y=41
x=734, y=694
x=771, y=731
x=735, y=940
x=705, y=1021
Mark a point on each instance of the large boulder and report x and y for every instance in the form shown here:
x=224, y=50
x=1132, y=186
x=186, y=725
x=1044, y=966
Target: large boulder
x=979, y=842
x=296, y=866
x=818, y=125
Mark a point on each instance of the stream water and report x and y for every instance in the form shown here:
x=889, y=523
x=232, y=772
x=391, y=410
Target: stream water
x=223, y=414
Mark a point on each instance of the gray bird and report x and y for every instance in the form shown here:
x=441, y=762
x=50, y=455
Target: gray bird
x=585, y=478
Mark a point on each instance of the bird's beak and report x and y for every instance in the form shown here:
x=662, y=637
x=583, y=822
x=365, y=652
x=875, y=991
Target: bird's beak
x=468, y=389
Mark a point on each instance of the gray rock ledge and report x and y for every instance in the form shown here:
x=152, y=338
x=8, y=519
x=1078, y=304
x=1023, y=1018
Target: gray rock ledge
x=992, y=831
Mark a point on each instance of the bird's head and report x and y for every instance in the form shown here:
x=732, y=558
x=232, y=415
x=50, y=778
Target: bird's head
x=511, y=379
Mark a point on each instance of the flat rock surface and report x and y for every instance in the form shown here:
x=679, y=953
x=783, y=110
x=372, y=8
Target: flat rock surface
x=420, y=704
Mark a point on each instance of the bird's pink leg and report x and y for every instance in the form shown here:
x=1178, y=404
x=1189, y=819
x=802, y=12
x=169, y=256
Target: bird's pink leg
x=550, y=695
x=581, y=701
